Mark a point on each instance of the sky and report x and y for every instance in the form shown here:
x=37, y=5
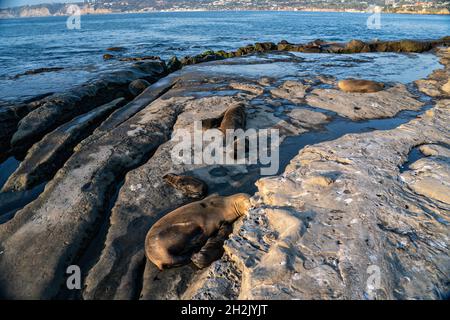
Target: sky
x=17, y=3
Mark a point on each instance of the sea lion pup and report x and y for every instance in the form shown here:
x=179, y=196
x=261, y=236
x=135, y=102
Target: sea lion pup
x=360, y=86
x=173, y=239
x=189, y=186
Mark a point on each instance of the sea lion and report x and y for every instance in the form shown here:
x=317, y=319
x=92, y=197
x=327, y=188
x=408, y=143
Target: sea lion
x=189, y=186
x=213, y=248
x=360, y=86
x=234, y=118
x=173, y=239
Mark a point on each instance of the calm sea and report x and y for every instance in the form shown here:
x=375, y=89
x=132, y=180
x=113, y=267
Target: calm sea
x=32, y=43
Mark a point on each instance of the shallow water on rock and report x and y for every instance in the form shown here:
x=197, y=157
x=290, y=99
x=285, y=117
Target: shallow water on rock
x=384, y=67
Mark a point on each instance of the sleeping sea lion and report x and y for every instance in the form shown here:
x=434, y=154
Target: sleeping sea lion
x=173, y=239
x=189, y=186
x=360, y=86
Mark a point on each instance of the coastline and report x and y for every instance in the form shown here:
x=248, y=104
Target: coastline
x=306, y=10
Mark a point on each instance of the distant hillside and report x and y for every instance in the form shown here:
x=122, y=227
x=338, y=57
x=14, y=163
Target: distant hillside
x=118, y=6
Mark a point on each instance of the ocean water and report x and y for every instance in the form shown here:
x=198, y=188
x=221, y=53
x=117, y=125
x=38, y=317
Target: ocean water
x=32, y=43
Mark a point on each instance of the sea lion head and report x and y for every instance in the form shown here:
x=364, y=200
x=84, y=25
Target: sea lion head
x=240, y=203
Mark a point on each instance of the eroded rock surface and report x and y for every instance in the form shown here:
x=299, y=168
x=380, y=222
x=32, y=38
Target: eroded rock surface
x=360, y=106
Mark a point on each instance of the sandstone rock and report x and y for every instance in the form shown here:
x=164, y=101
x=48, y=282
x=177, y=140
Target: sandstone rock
x=434, y=150
x=359, y=106
x=252, y=88
x=446, y=87
x=430, y=176
x=326, y=242
x=291, y=90
x=429, y=87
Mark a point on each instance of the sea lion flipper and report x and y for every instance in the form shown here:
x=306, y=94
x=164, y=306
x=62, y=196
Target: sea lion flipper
x=213, y=248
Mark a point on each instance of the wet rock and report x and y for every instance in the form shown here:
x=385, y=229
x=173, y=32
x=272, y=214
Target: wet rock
x=49, y=154
x=283, y=45
x=360, y=86
x=116, y=49
x=265, y=46
x=137, y=86
x=108, y=56
x=359, y=106
x=356, y=46
x=144, y=58
x=174, y=64
x=11, y=114
x=60, y=108
x=291, y=90
x=37, y=71
x=245, y=50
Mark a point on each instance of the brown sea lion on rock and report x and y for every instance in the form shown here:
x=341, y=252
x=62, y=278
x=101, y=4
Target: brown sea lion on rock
x=360, y=86
x=213, y=248
x=189, y=186
x=234, y=118
x=174, y=238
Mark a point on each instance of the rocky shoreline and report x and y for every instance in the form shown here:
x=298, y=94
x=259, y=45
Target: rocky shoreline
x=337, y=207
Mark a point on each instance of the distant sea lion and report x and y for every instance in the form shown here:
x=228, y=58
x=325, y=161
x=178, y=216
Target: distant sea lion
x=189, y=186
x=360, y=86
x=173, y=239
